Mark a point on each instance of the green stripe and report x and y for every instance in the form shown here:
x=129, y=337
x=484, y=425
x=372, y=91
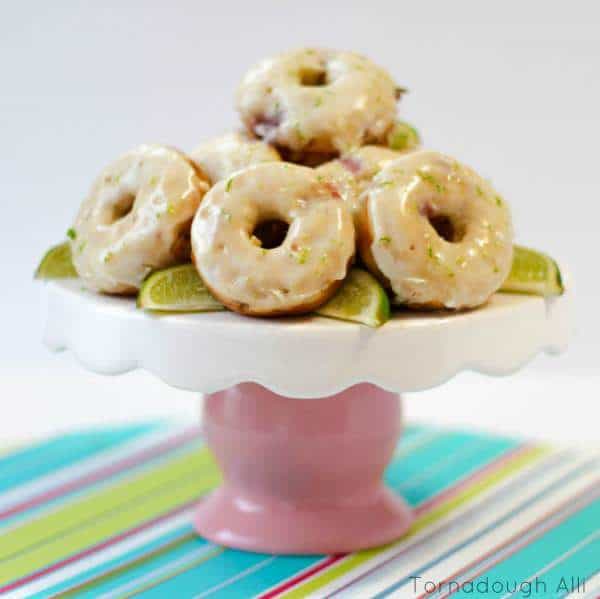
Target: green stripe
x=104, y=513
x=123, y=568
x=354, y=561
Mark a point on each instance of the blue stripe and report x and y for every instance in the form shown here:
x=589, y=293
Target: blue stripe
x=581, y=565
x=206, y=575
x=405, y=466
x=273, y=574
x=49, y=456
x=483, y=453
x=472, y=452
x=554, y=543
x=190, y=446
x=498, y=522
x=126, y=577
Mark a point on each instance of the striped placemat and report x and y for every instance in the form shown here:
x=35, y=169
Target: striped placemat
x=107, y=513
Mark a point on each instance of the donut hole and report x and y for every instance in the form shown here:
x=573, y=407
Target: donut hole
x=313, y=77
x=122, y=207
x=446, y=227
x=271, y=233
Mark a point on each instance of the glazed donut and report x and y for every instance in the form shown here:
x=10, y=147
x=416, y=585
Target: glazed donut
x=318, y=101
x=435, y=232
x=223, y=156
x=289, y=270
x=136, y=219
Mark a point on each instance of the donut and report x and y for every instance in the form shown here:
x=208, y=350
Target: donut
x=318, y=101
x=354, y=171
x=221, y=157
x=136, y=219
x=435, y=232
x=273, y=240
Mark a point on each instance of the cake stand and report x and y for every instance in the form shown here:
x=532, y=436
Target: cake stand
x=302, y=414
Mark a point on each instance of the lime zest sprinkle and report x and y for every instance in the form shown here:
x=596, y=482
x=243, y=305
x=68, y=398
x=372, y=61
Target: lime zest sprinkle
x=385, y=240
x=72, y=234
x=153, y=180
x=82, y=246
x=429, y=178
x=108, y=257
x=226, y=215
x=302, y=255
x=170, y=208
x=433, y=255
x=499, y=201
x=479, y=191
x=229, y=184
x=318, y=101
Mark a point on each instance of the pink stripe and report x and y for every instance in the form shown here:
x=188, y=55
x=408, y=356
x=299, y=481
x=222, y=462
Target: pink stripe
x=453, y=490
x=102, y=473
x=90, y=550
x=288, y=584
x=574, y=502
x=422, y=508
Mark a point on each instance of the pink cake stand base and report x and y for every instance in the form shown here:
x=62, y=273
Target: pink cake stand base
x=302, y=477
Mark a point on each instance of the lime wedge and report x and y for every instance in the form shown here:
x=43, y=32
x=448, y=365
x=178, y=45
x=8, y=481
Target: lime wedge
x=360, y=299
x=177, y=289
x=57, y=263
x=403, y=136
x=534, y=273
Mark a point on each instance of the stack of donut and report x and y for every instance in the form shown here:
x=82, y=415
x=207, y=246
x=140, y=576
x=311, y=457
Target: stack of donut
x=273, y=216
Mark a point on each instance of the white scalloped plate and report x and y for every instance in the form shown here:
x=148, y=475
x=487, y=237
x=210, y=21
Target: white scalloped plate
x=301, y=357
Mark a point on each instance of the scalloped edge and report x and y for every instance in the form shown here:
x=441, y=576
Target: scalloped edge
x=317, y=356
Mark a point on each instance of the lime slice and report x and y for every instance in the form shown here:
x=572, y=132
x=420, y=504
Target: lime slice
x=534, y=273
x=177, y=289
x=57, y=263
x=403, y=136
x=360, y=299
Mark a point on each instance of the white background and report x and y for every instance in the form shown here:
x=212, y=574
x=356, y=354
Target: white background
x=512, y=88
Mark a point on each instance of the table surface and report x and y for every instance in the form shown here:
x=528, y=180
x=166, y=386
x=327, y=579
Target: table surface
x=109, y=511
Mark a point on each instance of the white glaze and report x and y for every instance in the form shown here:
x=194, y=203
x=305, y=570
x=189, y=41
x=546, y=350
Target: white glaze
x=399, y=243
x=356, y=105
x=221, y=157
x=114, y=254
x=295, y=276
